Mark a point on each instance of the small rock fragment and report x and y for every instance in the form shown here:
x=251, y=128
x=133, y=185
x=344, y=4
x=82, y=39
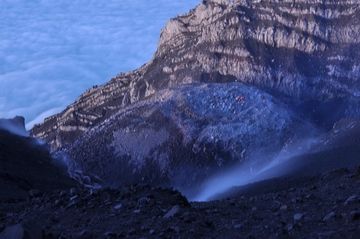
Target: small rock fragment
x=172, y=212
x=118, y=206
x=283, y=208
x=143, y=201
x=237, y=226
x=298, y=216
x=34, y=193
x=110, y=234
x=351, y=199
x=73, y=191
x=329, y=216
x=83, y=234
x=355, y=215
x=289, y=227
x=73, y=198
x=326, y=234
x=62, y=193
x=175, y=229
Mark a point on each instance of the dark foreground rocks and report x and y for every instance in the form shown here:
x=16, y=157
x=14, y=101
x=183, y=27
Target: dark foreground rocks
x=325, y=206
x=26, y=166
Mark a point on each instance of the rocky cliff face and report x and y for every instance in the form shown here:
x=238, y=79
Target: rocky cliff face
x=228, y=78
x=305, y=50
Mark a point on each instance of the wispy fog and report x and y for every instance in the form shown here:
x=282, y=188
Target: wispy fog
x=51, y=51
x=249, y=173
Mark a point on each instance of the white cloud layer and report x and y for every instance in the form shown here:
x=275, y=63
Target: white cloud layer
x=53, y=50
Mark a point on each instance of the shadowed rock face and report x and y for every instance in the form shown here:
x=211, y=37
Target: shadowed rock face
x=15, y=125
x=303, y=51
x=182, y=135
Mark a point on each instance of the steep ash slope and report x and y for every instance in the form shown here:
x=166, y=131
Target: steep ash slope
x=183, y=134
x=337, y=149
x=303, y=51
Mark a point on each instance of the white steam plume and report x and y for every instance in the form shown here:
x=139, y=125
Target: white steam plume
x=245, y=173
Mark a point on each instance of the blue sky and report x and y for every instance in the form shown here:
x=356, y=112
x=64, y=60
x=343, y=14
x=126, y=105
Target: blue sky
x=53, y=50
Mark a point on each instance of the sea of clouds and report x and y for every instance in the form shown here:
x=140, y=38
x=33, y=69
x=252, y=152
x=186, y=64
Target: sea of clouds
x=53, y=50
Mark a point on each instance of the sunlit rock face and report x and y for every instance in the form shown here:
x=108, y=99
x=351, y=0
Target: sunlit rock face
x=183, y=134
x=305, y=50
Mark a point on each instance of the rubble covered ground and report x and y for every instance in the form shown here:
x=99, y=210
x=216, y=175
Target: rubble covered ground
x=325, y=206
